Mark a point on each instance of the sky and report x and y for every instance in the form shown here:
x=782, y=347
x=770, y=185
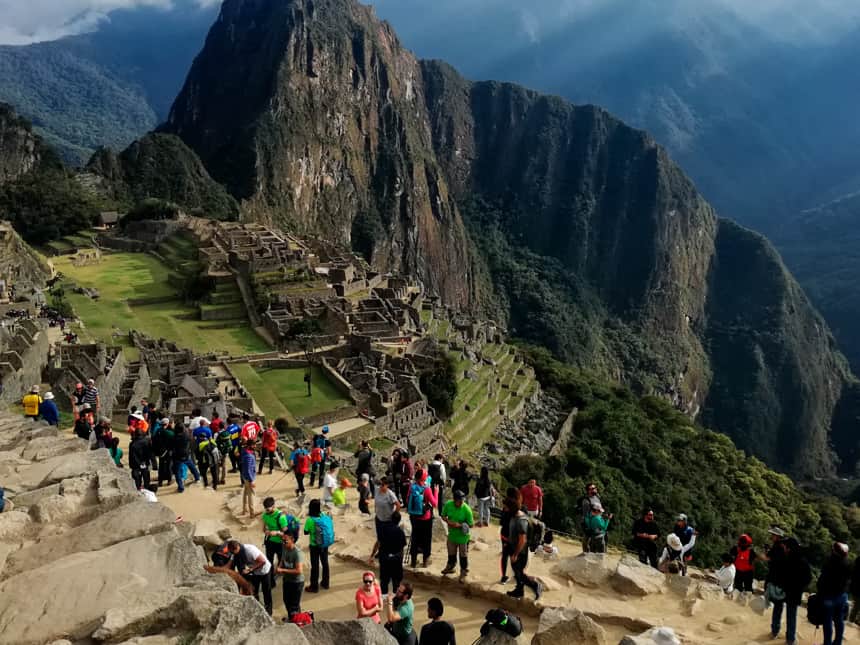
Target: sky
x=29, y=21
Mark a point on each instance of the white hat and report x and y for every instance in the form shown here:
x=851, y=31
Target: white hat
x=34, y=389
x=674, y=542
x=49, y=396
x=138, y=416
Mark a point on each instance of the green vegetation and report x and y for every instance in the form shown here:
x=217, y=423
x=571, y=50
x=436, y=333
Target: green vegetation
x=642, y=453
x=439, y=385
x=283, y=392
x=123, y=276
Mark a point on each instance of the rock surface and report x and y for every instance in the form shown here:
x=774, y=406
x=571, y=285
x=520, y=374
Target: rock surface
x=567, y=625
x=633, y=578
x=655, y=636
x=587, y=569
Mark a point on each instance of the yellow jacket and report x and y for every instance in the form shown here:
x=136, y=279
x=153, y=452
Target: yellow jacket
x=31, y=404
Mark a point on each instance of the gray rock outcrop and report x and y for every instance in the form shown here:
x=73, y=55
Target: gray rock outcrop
x=567, y=625
x=633, y=578
x=587, y=569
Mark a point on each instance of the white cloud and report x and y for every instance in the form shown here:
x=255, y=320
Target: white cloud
x=530, y=25
x=30, y=21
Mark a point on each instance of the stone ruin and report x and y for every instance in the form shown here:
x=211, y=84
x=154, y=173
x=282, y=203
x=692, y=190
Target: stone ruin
x=23, y=356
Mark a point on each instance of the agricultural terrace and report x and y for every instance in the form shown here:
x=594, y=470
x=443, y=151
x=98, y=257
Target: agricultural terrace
x=120, y=277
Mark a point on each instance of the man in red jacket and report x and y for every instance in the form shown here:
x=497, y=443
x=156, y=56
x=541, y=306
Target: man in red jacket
x=269, y=446
x=532, y=498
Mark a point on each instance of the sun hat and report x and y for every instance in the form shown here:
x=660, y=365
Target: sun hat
x=138, y=416
x=49, y=396
x=674, y=542
x=775, y=530
x=34, y=389
x=681, y=518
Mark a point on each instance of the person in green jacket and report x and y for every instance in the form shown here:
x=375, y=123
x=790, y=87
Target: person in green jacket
x=458, y=516
x=596, y=526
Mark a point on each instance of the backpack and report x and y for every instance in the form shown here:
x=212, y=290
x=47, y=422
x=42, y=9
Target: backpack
x=434, y=471
x=2, y=500
x=319, y=442
x=323, y=531
x=416, y=505
x=743, y=561
x=535, y=535
x=213, y=453
x=503, y=621
x=815, y=610
x=292, y=527
x=221, y=557
x=303, y=463
x=316, y=455
x=223, y=442
x=302, y=618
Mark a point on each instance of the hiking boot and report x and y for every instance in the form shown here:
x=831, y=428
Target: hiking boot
x=312, y=590
x=425, y=563
x=514, y=593
x=448, y=569
x=538, y=590
x=463, y=574
x=504, y=580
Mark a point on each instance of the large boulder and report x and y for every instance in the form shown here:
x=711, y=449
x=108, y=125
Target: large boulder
x=211, y=617
x=210, y=533
x=15, y=525
x=56, y=469
x=349, y=632
x=587, y=569
x=77, y=590
x=633, y=578
x=567, y=625
x=654, y=636
x=278, y=635
x=124, y=523
x=43, y=448
x=498, y=637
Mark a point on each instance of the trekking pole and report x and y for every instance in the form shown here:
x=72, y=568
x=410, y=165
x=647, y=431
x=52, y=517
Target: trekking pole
x=276, y=482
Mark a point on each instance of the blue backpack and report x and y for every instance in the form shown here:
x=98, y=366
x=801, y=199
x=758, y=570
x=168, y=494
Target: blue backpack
x=2, y=500
x=416, y=500
x=323, y=531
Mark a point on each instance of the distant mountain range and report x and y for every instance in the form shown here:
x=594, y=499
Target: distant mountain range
x=108, y=87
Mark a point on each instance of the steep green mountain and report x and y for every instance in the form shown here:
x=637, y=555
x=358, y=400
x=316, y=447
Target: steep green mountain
x=162, y=166
x=108, y=87
x=578, y=231
x=38, y=194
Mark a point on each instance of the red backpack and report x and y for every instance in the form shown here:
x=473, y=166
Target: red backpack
x=303, y=463
x=302, y=618
x=316, y=455
x=743, y=562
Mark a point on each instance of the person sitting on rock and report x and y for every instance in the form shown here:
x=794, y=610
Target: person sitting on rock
x=116, y=452
x=673, y=553
x=726, y=574
x=31, y=402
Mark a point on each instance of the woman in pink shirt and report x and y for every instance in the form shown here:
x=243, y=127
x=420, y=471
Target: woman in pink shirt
x=420, y=502
x=368, y=598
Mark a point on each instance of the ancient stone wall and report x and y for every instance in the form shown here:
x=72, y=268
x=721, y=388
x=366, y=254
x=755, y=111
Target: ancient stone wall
x=22, y=362
x=110, y=385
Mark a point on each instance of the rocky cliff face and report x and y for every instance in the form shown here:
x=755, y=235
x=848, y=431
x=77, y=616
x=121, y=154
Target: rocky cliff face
x=19, y=147
x=577, y=230
x=312, y=113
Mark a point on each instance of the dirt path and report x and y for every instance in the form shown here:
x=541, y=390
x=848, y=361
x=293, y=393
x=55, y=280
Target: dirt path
x=720, y=622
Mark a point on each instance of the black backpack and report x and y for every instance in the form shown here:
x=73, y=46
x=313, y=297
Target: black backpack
x=503, y=621
x=815, y=610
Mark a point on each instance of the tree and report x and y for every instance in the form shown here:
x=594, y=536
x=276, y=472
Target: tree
x=439, y=385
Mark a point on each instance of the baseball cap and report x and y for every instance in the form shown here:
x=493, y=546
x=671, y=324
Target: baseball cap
x=458, y=494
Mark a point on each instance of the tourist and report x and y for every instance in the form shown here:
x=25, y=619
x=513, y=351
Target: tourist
x=420, y=502
x=406, y=474
x=518, y=545
x=256, y=570
x=591, y=497
x=208, y=455
x=645, y=536
x=744, y=557
x=250, y=429
x=77, y=399
x=83, y=427
x=832, y=587
x=301, y=461
x=140, y=459
x=486, y=494
x=217, y=424
x=91, y=395
x=504, y=528
x=338, y=495
x=368, y=598
x=437, y=631
x=330, y=483
x=104, y=434
x=458, y=516
x=48, y=410
x=855, y=592
x=320, y=530
x=671, y=560
x=795, y=576
x=235, y=433
x=162, y=447
x=460, y=477
x=275, y=524
x=31, y=402
x=248, y=475
x=596, y=529
x=391, y=541
x=726, y=574
x=774, y=582
x=197, y=419
x=225, y=450
x=548, y=550
x=319, y=455
x=532, y=496
x=686, y=533
x=365, y=456
x=400, y=615
x=268, y=446
x=291, y=568
x=116, y=452
x=364, y=494
x=385, y=503
x=437, y=472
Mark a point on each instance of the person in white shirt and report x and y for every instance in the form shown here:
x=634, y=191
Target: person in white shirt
x=726, y=574
x=197, y=419
x=329, y=484
x=674, y=553
x=255, y=568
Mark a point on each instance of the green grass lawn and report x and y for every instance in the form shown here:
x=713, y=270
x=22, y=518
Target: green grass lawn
x=123, y=276
x=280, y=390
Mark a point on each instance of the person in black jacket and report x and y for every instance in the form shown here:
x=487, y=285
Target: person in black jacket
x=793, y=577
x=832, y=589
x=140, y=459
x=645, y=538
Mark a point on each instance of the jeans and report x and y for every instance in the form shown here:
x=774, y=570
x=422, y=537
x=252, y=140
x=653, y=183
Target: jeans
x=319, y=557
x=292, y=591
x=180, y=475
x=520, y=576
x=484, y=509
x=505, y=557
x=790, y=620
x=834, y=618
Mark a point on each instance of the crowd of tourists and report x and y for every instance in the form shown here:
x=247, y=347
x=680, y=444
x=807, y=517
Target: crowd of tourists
x=421, y=490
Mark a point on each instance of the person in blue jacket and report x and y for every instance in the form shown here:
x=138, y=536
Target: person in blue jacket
x=48, y=409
